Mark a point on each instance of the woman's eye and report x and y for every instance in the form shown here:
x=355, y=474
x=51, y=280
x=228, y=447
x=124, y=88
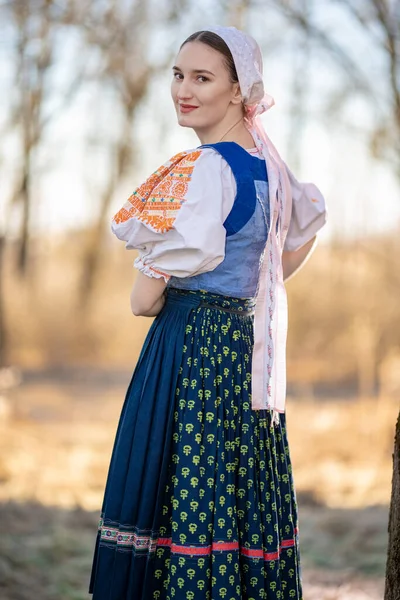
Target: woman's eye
x=200, y=78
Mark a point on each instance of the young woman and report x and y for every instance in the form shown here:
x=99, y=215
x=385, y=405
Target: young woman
x=200, y=502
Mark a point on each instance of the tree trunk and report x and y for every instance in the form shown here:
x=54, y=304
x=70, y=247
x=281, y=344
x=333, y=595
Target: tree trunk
x=392, y=588
x=25, y=197
x=3, y=338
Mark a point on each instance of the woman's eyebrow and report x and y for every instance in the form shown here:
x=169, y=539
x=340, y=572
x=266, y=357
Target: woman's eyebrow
x=194, y=71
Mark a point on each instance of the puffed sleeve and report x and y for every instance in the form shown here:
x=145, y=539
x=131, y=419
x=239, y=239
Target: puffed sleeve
x=308, y=213
x=199, y=193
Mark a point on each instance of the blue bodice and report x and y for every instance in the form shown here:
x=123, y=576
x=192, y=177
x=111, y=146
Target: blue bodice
x=247, y=227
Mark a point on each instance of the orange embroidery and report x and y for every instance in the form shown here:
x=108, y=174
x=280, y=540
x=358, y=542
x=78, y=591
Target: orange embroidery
x=157, y=201
x=163, y=187
x=159, y=272
x=179, y=189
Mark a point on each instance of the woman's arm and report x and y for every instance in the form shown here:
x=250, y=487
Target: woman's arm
x=147, y=296
x=292, y=261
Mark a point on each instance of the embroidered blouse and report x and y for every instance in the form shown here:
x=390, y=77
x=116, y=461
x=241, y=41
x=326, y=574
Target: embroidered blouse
x=196, y=241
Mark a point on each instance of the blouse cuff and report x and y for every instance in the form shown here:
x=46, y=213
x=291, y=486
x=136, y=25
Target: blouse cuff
x=150, y=271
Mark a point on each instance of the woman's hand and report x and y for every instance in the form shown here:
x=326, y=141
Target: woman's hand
x=292, y=261
x=147, y=296
x=154, y=310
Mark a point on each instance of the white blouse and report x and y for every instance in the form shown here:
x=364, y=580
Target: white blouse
x=196, y=242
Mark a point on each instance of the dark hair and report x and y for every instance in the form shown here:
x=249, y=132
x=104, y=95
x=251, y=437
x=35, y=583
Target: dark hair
x=216, y=43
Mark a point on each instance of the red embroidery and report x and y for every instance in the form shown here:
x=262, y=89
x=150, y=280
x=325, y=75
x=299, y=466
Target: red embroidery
x=164, y=541
x=159, y=272
x=198, y=550
x=150, y=544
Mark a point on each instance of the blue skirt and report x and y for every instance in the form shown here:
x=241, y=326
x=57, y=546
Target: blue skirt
x=199, y=502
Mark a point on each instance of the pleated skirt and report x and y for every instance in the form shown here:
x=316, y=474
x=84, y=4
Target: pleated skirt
x=199, y=502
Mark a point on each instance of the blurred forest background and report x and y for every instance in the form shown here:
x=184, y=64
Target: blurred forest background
x=85, y=115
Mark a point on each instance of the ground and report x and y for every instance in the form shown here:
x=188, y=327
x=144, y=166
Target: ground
x=56, y=435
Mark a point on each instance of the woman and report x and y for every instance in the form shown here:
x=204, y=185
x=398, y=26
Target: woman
x=199, y=502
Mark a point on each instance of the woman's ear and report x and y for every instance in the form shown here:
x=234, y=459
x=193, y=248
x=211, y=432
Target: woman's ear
x=237, y=94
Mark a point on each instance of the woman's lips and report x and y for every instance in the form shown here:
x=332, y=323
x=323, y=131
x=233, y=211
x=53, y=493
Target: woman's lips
x=186, y=108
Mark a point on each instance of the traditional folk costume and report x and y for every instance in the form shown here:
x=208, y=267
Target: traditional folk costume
x=200, y=502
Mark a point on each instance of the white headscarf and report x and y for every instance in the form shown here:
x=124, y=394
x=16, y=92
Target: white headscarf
x=270, y=324
x=248, y=61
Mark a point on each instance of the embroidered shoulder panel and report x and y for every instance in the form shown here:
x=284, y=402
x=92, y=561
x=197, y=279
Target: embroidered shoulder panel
x=157, y=201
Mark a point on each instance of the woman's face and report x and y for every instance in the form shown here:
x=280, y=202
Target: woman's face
x=201, y=87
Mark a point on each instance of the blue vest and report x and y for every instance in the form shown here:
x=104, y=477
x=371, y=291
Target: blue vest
x=247, y=227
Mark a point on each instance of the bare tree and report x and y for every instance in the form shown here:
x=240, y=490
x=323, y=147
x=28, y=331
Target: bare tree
x=34, y=52
x=120, y=36
x=121, y=32
x=299, y=91
x=379, y=20
x=392, y=587
x=33, y=25
x=3, y=331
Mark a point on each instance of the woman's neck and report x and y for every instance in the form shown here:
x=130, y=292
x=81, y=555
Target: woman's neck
x=227, y=132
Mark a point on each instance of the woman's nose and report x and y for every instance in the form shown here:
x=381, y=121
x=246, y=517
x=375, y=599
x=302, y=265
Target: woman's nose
x=184, y=90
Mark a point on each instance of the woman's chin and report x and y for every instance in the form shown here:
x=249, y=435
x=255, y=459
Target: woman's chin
x=185, y=121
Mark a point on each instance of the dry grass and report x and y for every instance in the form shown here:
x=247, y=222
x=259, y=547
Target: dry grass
x=342, y=450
